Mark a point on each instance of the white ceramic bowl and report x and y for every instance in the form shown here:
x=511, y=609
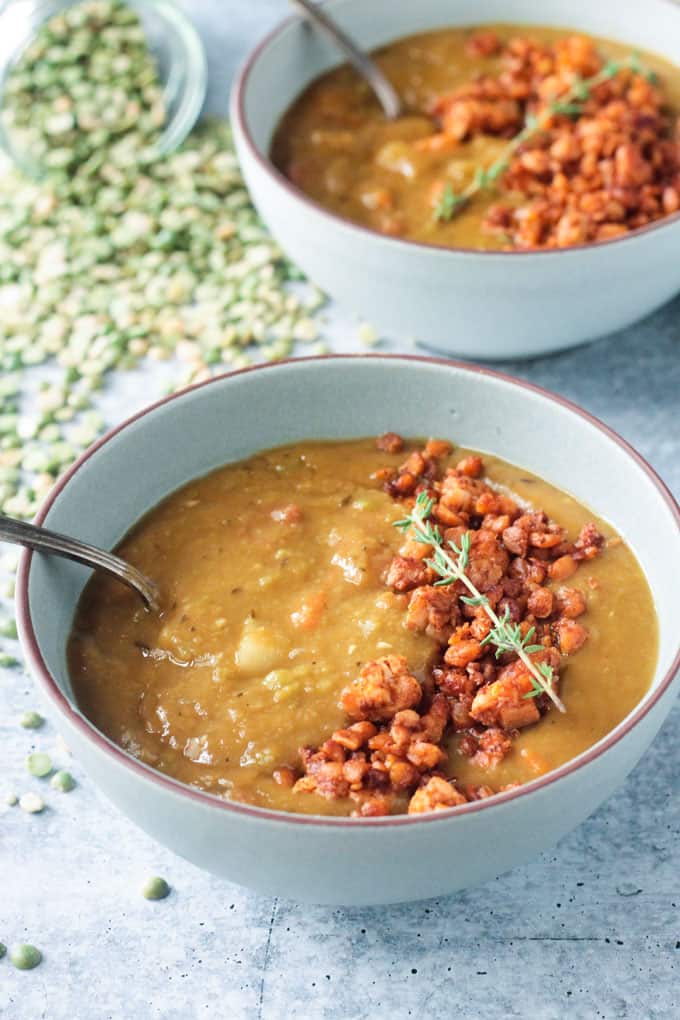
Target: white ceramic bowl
x=476, y=304
x=330, y=860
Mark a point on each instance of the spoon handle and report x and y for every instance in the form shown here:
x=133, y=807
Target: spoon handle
x=43, y=540
x=360, y=61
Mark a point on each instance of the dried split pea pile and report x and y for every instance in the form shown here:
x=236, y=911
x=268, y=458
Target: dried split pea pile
x=116, y=253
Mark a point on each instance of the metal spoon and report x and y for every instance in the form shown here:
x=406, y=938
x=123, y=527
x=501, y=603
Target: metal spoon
x=360, y=61
x=33, y=537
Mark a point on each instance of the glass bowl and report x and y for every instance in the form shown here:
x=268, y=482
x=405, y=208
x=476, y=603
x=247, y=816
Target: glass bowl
x=172, y=39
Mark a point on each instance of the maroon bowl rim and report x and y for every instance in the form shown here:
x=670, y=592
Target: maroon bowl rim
x=239, y=114
x=89, y=732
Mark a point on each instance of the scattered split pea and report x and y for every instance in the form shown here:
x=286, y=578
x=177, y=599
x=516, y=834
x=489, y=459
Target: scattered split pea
x=62, y=781
x=32, y=803
x=155, y=888
x=24, y=956
x=31, y=720
x=39, y=764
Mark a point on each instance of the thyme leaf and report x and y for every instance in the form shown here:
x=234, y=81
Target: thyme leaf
x=505, y=634
x=448, y=204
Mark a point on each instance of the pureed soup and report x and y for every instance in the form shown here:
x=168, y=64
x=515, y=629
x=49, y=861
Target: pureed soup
x=306, y=659
x=514, y=137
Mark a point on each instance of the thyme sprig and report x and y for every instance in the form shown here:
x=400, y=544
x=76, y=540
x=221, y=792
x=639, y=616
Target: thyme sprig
x=505, y=635
x=569, y=104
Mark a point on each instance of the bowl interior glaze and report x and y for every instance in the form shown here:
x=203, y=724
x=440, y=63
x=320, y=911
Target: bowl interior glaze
x=128, y=473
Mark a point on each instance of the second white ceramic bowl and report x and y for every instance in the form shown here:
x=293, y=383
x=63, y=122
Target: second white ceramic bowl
x=476, y=304
x=350, y=860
